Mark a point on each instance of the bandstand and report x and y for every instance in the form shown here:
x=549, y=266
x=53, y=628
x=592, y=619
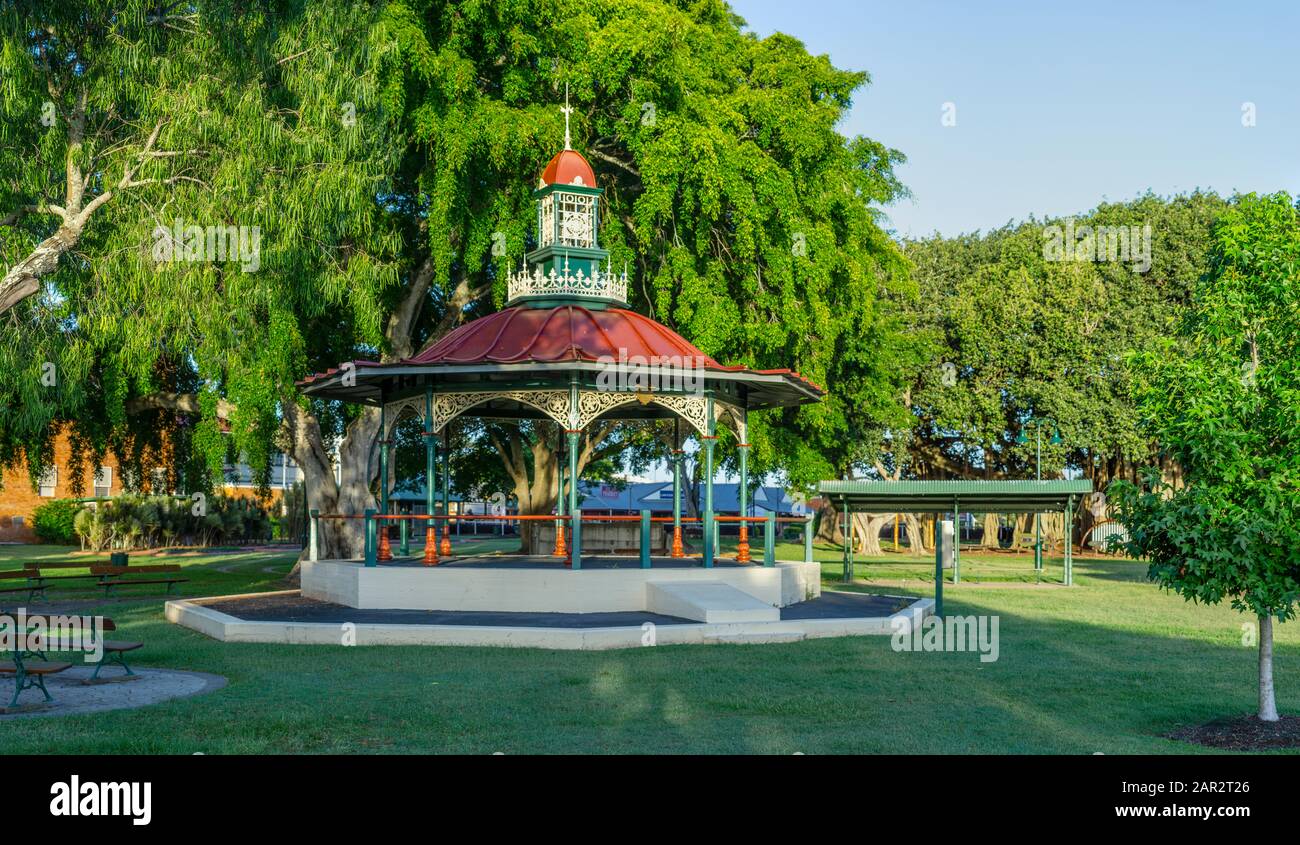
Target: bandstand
x=568, y=352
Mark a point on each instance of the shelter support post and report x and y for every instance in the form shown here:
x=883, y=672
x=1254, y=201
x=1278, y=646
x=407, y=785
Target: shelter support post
x=710, y=527
x=808, y=538
x=445, y=548
x=1069, y=542
x=385, y=553
x=956, y=541
x=561, y=505
x=769, y=539
x=938, y=566
x=677, y=550
x=575, y=513
x=848, y=540
x=645, y=539
x=368, y=532
x=313, y=539
x=742, y=547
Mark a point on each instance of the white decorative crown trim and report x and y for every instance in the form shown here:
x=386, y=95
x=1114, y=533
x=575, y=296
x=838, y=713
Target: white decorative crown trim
x=602, y=285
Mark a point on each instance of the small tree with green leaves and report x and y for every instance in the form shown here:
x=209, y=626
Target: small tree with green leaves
x=1221, y=399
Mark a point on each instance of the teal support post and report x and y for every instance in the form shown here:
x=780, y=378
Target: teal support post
x=938, y=566
x=710, y=526
x=404, y=532
x=645, y=539
x=956, y=541
x=769, y=540
x=1038, y=521
x=561, y=495
x=370, y=544
x=430, y=488
x=808, y=538
x=446, y=489
x=848, y=542
x=743, y=449
x=574, y=510
x=577, y=537
x=1069, y=542
x=383, y=462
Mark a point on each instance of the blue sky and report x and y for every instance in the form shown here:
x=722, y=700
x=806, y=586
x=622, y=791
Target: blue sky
x=1060, y=106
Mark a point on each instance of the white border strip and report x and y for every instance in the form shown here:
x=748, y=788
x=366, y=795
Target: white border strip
x=191, y=613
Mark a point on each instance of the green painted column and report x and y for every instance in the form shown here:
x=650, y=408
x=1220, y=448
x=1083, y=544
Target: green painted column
x=938, y=566
x=709, y=441
x=956, y=541
x=848, y=541
x=1069, y=542
x=446, y=471
x=576, y=531
x=371, y=553
x=677, y=488
x=561, y=503
x=645, y=539
x=383, y=460
x=430, y=454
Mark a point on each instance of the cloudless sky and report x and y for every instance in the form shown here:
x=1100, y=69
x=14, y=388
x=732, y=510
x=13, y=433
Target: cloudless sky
x=1060, y=105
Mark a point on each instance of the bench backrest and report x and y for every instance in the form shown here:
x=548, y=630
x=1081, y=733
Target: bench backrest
x=127, y=570
x=21, y=573
x=57, y=564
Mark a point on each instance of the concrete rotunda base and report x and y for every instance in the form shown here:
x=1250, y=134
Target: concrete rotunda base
x=542, y=585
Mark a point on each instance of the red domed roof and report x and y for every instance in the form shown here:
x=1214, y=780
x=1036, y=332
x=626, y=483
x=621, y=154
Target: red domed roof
x=569, y=168
x=564, y=333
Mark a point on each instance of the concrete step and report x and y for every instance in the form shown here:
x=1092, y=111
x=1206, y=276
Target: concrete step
x=707, y=601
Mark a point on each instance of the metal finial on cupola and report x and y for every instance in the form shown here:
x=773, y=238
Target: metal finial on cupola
x=568, y=110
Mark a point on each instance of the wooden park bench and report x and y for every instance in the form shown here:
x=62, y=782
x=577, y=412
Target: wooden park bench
x=40, y=569
x=111, y=576
x=30, y=665
x=33, y=583
x=30, y=674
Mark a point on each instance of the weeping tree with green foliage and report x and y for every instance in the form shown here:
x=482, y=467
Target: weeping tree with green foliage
x=377, y=149
x=1221, y=399
x=1016, y=336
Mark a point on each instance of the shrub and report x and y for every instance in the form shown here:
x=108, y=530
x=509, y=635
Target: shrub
x=53, y=521
x=132, y=521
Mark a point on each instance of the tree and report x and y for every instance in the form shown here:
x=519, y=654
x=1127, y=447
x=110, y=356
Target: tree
x=1220, y=399
x=379, y=148
x=1017, y=335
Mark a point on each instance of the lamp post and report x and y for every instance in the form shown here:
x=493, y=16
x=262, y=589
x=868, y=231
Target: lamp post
x=1038, y=424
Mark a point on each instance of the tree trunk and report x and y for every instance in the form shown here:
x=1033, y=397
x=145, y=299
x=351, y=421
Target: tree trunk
x=1267, y=699
x=990, y=539
x=919, y=541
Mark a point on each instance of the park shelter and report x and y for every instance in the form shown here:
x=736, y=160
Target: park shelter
x=566, y=349
x=954, y=497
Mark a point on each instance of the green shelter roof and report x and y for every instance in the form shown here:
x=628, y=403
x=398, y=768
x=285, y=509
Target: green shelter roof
x=944, y=496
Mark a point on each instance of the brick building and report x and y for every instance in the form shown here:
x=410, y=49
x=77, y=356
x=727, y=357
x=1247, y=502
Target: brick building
x=18, y=501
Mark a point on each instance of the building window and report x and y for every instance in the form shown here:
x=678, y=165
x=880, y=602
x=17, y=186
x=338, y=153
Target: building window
x=49, y=481
x=104, y=482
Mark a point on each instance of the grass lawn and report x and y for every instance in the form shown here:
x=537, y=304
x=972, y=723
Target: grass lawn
x=1108, y=665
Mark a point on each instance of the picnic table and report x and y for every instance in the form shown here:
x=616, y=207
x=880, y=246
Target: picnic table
x=31, y=664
